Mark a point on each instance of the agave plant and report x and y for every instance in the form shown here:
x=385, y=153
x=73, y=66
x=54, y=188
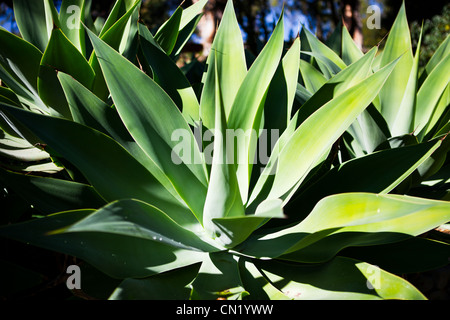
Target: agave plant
x=412, y=108
x=169, y=203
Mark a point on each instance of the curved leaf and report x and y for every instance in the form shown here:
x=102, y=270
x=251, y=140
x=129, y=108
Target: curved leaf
x=113, y=33
x=20, y=149
x=167, y=34
x=218, y=278
x=138, y=219
x=379, y=172
x=61, y=55
x=35, y=22
x=428, y=97
x=19, y=69
x=71, y=17
x=228, y=50
x=189, y=20
x=339, y=279
x=309, y=146
x=350, y=51
x=247, y=108
x=91, y=111
x=223, y=197
x=350, y=219
x=414, y=255
x=324, y=56
x=442, y=51
x=52, y=195
x=312, y=78
x=172, y=285
x=152, y=119
x=398, y=44
x=114, y=177
x=169, y=76
x=20, y=58
x=118, y=256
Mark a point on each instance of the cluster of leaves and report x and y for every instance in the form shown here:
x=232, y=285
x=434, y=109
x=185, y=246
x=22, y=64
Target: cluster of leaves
x=100, y=104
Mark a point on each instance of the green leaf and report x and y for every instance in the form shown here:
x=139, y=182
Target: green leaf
x=246, y=112
x=428, y=97
x=350, y=51
x=171, y=285
x=309, y=146
x=434, y=163
x=344, y=80
x=324, y=56
x=189, y=20
x=301, y=96
x=71, y=17
x=114, y=178
x=52, y=195
x=35, y=22
x=404, y=121
x=89, y=110
x=379, y=172
x=47, y=167
x=130, y=39
x=278, y=107
x=339, y=279
x=118, y=256
x=191, y=13
x=61, y=55
x=8, y=96
x=119, y=33
x=257, y=285
x=329, y=69
x=398, y=44
x=153, y=119
x=218, y=278
x=405, y=257
x=18, y=54
x=167, y=34
x=368, y=132
x=169, y=76
x=312, y=77
x=138, y=219
x=441, y=115
x=223, y=196
x=350, y=219
x=20, y=149
x=228, y=49
x=231, y=231
x=121, y=7
x=442, y=51
x=113, y=33
x=281, y=92
x=265, y=180
x=19, y=69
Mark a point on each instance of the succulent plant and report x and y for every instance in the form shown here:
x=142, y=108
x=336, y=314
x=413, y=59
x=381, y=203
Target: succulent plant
x=167, y=201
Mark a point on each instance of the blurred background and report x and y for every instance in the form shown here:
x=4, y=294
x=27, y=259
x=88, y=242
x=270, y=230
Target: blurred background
x=257, y=19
